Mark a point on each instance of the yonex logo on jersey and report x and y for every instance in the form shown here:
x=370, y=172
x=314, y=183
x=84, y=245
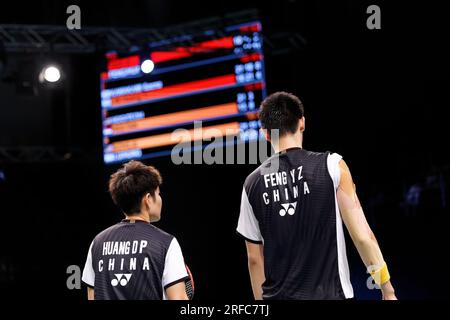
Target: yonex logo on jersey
x=121, y=278
x=288, y=208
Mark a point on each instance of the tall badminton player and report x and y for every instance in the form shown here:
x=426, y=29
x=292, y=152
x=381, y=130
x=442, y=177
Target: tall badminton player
x=292, y=208
x=133, y=259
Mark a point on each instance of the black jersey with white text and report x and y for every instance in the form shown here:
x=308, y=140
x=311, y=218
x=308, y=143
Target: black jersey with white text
x=289, y=205
x=133, y=260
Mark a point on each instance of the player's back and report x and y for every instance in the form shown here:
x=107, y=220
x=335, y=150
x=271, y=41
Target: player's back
x=129, y=261
x=292, y=195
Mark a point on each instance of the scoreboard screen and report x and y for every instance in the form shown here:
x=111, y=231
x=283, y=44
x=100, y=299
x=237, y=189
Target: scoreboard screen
x=216, y=79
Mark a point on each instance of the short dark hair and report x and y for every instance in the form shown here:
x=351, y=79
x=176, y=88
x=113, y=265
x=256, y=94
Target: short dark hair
x=130, y=183
x=281, y=110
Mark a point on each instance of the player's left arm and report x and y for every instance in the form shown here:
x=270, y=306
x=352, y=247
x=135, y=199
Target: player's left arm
x=256, y=267
x=88, y=276
x=248, y=228
x=90, y=293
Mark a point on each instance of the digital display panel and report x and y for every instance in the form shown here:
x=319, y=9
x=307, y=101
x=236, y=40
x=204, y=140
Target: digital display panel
x=169, y=85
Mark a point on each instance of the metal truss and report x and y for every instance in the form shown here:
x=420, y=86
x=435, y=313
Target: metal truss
x=58, y=39
x=27, y=154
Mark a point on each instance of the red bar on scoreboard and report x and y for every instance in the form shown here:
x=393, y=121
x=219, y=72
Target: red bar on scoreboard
x=174, y=90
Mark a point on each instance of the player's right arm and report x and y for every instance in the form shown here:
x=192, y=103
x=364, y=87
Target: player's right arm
x=175, y=273
x=177, y=292
x=361, y=234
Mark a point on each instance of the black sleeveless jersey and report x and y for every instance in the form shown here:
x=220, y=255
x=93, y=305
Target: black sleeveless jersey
x=289, y=205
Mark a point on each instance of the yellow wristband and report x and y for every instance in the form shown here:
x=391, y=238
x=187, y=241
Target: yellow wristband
x=381, y=276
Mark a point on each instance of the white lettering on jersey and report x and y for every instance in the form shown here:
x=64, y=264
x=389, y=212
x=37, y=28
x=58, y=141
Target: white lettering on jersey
x=266, y=180
x=124, y=248
x=146, y=265
x=116, y=248
x=143, y=245
x=295, y=190
x=133, y=264
x=266, y=198
x=300, y=169
x=135, y=247
x=125, y=264
x=111, y=264
x=305, y=188
x=276, y=195
x=287, y=192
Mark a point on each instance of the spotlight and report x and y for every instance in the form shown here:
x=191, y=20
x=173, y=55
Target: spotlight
x=50, y=74
x=147, y=66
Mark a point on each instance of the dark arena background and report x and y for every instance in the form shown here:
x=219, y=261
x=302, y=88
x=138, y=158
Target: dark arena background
x=378, y=97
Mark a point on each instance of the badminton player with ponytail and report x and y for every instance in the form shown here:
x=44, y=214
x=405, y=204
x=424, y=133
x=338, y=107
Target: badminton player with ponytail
x=133, y=259
x=292, y=209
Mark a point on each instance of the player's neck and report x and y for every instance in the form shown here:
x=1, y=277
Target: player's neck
x=139, y=216
x=287, y=142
